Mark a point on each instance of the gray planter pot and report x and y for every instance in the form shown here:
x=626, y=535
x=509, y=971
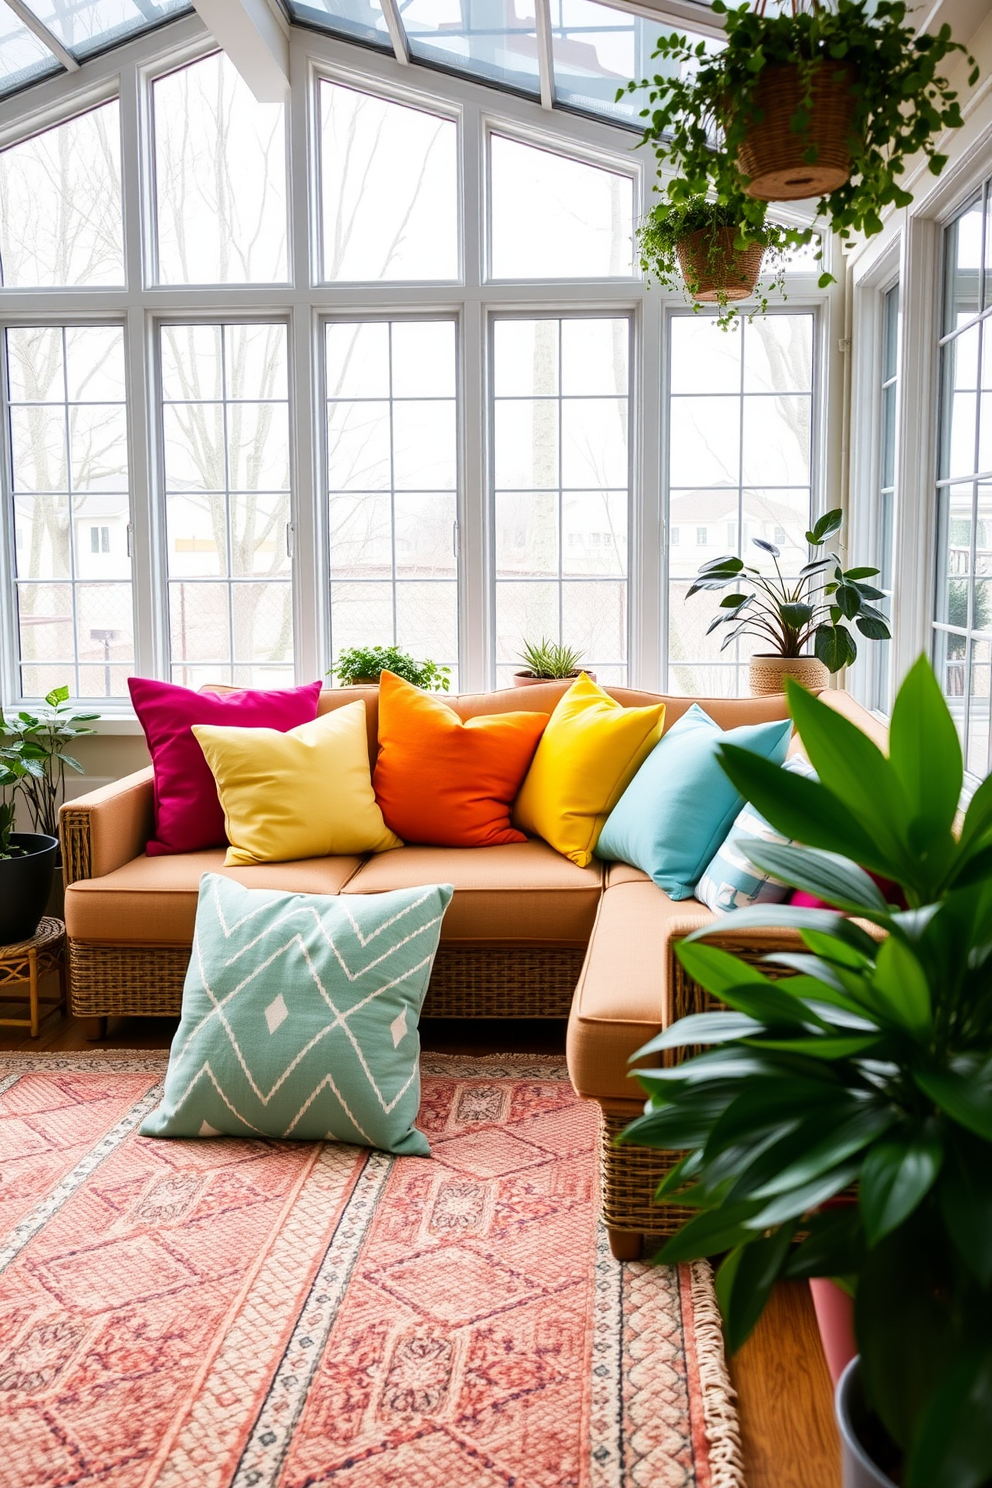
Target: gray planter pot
x=858, y=1470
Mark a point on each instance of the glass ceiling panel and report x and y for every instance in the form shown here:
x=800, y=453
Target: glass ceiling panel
x=495, y=40
x=23, y=58
x=88, y=26
x=359, y=20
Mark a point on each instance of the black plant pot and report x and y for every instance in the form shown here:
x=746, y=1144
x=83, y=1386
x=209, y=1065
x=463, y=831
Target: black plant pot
x=25, y=884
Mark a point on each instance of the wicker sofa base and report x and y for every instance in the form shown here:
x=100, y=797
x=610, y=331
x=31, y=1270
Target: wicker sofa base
x=630, y=1176
x=466, y=982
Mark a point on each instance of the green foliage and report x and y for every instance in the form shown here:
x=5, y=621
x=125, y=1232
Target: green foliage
x=788, y=615
x=669, y=222
x=366, y=663
x=545, y=658
x=902, y=102
x=34, y=759
x=868, y=1062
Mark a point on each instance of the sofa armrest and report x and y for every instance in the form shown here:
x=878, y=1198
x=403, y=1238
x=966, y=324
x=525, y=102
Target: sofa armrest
x=108, y=827
x=687, y=996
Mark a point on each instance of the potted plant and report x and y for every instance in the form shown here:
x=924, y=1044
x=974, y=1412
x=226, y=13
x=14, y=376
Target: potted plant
x=864, y=1069
x=42, y=739
x=545, y=661
x=715, y=252
x=27, y=859
x=363, y=665
x=791, y=613
x=817, y=102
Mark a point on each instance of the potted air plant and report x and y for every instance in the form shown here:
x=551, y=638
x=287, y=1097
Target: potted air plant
x=818, y=102
x=545, y=661
x=362, y=666
x=815, y=608
x=717, y=252
x=861, y=1066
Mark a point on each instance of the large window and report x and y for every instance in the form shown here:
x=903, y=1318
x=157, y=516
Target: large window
x=371, y=366
x=739, y=467
x=964, y=486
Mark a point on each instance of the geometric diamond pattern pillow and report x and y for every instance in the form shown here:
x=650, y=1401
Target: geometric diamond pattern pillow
x=300, y=1017
x=730, y=880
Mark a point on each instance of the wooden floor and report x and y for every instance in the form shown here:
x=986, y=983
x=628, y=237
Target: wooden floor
x=781, y=1379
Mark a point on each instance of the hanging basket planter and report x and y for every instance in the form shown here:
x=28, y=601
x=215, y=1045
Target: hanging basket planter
x=774, y=157
x=716, y=272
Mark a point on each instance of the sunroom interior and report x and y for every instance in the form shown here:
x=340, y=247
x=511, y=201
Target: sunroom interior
x=324, y=327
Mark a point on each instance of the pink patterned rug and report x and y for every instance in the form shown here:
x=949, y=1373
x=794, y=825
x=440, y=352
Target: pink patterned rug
x=242, y=1314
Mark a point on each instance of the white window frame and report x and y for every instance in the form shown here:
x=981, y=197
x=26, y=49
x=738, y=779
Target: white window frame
x=305, y=302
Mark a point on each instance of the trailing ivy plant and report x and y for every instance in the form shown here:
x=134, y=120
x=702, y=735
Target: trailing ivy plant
x=789, y=613
x=699, y=113
x=840, y=1121
x=670, y=222
x=367, y=663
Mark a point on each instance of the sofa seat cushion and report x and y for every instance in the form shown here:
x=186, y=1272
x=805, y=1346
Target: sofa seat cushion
x=152, y=901
x=521, y=894
x=623, y=996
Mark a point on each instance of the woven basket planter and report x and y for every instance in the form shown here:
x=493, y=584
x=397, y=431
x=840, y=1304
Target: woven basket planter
x=773, y=156
x=768, y=673
x=714, y=270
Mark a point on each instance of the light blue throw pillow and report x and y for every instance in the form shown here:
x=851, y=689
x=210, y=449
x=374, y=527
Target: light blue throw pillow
x=730, y=880
x=300, y=1017
x=680, y=805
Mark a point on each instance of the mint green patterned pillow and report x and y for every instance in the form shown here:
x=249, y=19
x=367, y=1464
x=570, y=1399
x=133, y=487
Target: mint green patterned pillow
x=300, y=1017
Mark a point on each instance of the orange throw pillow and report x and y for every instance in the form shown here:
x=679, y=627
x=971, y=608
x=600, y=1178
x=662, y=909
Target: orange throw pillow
x=447, y=782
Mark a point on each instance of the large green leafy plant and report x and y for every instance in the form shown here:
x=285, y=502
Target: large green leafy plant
x=787, y=614
x=866, y=1068
x=669, y=223
x=700, y=108
x=40, y=741
x=367, y=663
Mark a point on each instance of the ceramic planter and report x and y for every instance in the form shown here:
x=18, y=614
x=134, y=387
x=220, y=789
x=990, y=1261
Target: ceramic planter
x=773, y=156
x=25, y=884
x=857, y=1468
x=834, y=1310
x=768, y=673
x=714, y=270
x=527, y=679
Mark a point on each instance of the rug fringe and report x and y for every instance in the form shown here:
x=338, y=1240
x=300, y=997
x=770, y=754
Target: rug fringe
x=720, y=1417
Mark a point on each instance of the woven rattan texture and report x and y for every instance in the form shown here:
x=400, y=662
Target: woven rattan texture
x=630, y=1177
x=147, y=981
x=712, y=267
x=74, y=831
x=46, y=939
x=772, y=154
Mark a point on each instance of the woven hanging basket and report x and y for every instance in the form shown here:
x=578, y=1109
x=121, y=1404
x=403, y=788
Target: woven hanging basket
x=714, y=270
x=768, y=673
x=773, y=156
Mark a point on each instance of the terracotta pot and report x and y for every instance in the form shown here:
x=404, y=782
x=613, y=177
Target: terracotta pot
x=768, y=673
x=527, y=679
x=713, y=269
x=834, y=1310
x=772, y=155
x=858, y=1469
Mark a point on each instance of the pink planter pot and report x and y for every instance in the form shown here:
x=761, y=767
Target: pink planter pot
x=834, y=1310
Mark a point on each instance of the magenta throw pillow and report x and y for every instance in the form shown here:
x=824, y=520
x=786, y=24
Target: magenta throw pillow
x=188, y=814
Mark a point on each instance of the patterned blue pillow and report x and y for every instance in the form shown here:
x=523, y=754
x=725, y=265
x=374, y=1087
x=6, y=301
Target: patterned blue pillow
x=729, y=880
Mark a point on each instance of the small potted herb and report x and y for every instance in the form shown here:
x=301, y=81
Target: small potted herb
x=860, y=1067
x=716, y=252
x=813, y=102
x=791, y=613
x=545, y=661
x=363, y=665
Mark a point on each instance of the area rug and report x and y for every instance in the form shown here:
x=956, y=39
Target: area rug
x=230, y=1313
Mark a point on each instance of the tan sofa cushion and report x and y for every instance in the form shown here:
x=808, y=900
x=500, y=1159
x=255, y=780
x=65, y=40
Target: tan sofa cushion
x=152, y=901
x=522, y=894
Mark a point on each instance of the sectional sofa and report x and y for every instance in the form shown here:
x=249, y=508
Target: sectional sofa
x=527, y=935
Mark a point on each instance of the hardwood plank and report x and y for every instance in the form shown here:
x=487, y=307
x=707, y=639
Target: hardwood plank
x=785, y=1397
x=786, y=1403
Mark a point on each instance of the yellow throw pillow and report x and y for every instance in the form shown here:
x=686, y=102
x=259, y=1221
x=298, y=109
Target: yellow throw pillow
x=306, y=793
x=589, y=753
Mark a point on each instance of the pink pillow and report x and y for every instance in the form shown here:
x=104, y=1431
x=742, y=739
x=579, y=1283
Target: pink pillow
x=188, y=815
x=892, y=892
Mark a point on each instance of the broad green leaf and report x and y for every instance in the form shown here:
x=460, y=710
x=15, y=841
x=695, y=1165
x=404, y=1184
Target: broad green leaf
x=818, y=1046
x=900, y=983
x=699, y=1028
x=709, y=1233
x=799, y=1201
x=827, y=875
x=978, y=818
x=744, y=1282
x=716, y=970
x=925, y=752
x=846, y=1136
x=953, y=1447
x=834, y=1246
x=964, y=1091
x=674, y=1127
x=965, y=1196
x=896, y=1175
x=854, y=769
x=787, y=917
x=56, y=696
x=834, y=645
